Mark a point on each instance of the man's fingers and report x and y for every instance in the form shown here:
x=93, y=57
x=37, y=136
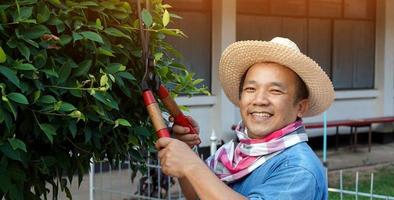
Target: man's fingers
x=188, y=137
x=177, y=129
x=191, y=120
x=162, y=142
x=161, y=153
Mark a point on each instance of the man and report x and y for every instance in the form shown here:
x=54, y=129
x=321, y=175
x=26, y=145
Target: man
x=274, y=85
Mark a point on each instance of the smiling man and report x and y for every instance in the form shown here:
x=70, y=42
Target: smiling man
x=274, y=85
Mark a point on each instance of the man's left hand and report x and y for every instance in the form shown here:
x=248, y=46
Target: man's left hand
x=176, y=158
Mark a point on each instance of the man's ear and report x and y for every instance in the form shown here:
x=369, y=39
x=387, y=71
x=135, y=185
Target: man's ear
x=303, y=106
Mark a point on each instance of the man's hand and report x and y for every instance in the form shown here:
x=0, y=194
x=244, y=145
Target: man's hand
x=183, y=133
x=176, y=158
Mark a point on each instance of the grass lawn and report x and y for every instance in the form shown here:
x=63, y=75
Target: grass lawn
x=383, y=181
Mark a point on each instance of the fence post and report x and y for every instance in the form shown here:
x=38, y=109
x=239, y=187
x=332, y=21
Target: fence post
x=357, y=185
x=91, y=179
x=371, y=188
x=341, y=184
x=213, y=139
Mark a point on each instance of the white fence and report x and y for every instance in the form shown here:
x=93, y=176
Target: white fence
x=107, y=183
x=121, y=182
x=356, y=193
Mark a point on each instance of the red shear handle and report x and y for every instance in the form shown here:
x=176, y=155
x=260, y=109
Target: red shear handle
x=155, y=114
x=174, y=110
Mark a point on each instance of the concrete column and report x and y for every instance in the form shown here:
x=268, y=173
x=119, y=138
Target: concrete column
x=223, y=34
x=384, y=73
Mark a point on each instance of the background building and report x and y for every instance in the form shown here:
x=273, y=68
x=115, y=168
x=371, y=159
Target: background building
x=353, y=40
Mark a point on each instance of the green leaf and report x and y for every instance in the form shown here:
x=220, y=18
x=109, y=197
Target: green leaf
x=55, y=2
x=10, y=106
x=98, y=24
x=197, y=81
x=127, y=75
x=76, y=36
x=43, y=12
x=9, y=152
x=115, y=67
x=103, y=80
x=60, y=27
x=64, y=73
x=65, y=39
x=122, y=122
x=2, y=115
x=36, y=95
x=3, y=56
x=5, y=178
x=67, y=107
x=40, y=59
x=17, y=144
x=143, y=131
x=146, y=18
x=25, y=67
x=24, y=50
x=72, y=127
x=106, y=52
x=8, y=120
x=115, y=32
x=158, y=55
x=92, y=36
x=47, y=99
x=120, y=15
x=49, y=131
x=77, y=114
x=36, y=31
x=50, y=72
x=8, y=73
x=82, y=68
x=18, y=97
x=31, y=42
x=106, y=99
x=25, y=13
x=166, y=18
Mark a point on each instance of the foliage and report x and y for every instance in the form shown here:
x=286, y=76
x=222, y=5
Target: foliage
x=69, y=83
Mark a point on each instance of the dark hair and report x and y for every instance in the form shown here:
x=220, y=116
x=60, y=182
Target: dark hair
x=301, y=89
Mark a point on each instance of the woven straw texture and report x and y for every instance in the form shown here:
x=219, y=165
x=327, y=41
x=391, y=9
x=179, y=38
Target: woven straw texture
x=239, y=56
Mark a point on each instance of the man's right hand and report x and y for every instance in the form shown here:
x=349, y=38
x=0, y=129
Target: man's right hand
x=183, y=133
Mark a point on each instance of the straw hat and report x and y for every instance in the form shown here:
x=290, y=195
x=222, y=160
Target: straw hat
x=239, y=56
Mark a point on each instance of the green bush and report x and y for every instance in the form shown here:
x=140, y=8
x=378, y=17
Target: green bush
x=69, y=82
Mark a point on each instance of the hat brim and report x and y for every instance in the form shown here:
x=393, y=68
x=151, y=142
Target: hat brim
x=239, y=56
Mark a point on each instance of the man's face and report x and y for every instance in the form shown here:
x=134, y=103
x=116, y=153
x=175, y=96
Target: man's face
x=267, y=100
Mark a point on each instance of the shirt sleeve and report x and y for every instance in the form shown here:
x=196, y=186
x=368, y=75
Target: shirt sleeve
x=291, y=182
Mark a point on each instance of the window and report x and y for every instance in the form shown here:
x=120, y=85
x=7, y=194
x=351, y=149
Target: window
x=196, y=24
x=338, y=34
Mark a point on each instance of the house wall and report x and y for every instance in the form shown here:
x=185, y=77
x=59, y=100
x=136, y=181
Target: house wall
x=217, y=113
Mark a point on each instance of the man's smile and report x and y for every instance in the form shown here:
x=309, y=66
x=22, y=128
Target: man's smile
x=260, y=116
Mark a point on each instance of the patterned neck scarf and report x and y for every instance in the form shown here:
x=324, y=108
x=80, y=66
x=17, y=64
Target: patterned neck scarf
x=234, y=161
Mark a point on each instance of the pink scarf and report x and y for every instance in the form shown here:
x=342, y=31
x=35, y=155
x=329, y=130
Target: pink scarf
x=232, y=162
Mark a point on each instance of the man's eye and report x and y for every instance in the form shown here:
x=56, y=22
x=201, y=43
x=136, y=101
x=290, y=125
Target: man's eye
x=249, y=89
x=275, y=91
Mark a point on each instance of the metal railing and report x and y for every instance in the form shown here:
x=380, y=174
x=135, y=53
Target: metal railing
x=356, y=193
x=121, y=182
x=111, y=183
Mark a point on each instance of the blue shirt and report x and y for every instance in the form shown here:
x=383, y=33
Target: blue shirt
x=295, y=173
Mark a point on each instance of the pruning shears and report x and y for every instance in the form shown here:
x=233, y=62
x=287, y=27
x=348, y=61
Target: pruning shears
x=151, y=83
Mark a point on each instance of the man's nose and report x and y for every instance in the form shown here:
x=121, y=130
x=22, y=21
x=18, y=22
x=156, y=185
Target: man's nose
x=261, y=99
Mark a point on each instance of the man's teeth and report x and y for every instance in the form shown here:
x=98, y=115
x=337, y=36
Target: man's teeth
x=260, y=114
